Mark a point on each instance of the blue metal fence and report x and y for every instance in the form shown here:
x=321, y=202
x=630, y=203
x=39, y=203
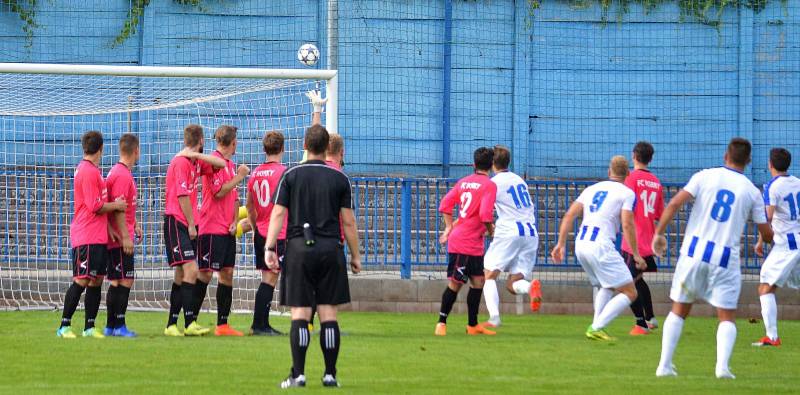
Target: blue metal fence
x=399, y=222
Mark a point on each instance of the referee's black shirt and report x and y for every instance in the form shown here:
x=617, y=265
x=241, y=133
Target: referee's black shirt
x=314, y=193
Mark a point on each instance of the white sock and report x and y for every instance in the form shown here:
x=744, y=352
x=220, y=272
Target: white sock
x=769, y=311
x=673, y=326
x=601, y=298
x=492, y=300
x=521, y=287
x=611, y=310
x=726, y=337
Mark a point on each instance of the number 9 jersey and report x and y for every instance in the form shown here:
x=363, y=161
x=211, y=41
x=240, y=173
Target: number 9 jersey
x=602, y=204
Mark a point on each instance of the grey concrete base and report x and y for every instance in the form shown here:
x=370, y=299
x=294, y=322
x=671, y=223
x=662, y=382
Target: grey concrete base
x=424, y=296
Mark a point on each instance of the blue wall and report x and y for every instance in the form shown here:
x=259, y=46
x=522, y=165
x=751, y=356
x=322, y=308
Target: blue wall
x=563, y=88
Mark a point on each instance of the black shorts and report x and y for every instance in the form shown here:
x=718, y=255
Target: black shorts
x=461, y=267
x=180, y=248
x=315, y=273
x=216, y=252
x=89, y=261
x=120, y=265
x=259, y=242
x=651, y=264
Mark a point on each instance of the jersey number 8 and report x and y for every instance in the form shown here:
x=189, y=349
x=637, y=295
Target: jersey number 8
x=721, y=211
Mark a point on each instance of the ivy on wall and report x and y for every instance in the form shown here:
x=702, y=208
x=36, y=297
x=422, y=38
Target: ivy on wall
x=708, y=12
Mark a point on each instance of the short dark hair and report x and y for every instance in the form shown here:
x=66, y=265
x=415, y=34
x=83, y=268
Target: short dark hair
x=502, y=157
x=643, y=152
x=192, y=135
x=483, y=158
x=273, y=142
x=335, y=144
x=780, y=159
x=317, y=139
x=739, y=151
x=225, y=135
x=128, y=143
x=92, y=142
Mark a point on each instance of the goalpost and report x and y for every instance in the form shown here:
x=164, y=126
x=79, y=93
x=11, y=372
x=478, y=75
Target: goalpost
x=44, y=110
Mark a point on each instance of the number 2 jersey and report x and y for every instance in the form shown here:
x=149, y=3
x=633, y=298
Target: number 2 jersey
x=516, y=214
x=783, y=192
x=602, y=204
x=649, y=206
x=724, y=199
x=475, y=195
x=261, y=185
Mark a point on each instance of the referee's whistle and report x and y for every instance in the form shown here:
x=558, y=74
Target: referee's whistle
x=308, y=234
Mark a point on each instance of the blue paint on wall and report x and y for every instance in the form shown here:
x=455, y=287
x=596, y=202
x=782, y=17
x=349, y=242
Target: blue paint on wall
x=591, y=89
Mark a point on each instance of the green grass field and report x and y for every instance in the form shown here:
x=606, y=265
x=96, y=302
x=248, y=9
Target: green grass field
x=388, y=353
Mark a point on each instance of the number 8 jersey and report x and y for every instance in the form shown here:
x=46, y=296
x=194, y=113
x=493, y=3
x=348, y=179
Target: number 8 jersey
x=724, y=199
x=262, y=184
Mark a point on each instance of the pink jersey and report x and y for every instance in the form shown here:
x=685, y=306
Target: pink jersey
x=648, y=209
x=337, y=166
x=217, y=214
x=120, y=184
x=262, y=185
x=333, y=164
x=475, y=195
x=90, y=194
x=182, y=176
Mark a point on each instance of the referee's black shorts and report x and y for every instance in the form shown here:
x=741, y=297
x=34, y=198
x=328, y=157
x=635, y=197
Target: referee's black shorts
x=314, y=274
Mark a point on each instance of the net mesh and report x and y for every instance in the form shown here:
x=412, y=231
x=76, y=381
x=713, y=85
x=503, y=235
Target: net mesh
x=41, y=148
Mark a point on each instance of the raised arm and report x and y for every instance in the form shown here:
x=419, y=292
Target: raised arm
x=319, y=103
x=213, y=161
x=566, y=225
x=241, y=173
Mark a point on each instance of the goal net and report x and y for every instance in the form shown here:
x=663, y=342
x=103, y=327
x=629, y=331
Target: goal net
x=44, y=110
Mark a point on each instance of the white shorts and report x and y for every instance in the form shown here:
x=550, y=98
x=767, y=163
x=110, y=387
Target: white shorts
x=603, y=264
x=695, y=279
x=781, y=268
x=515, y=255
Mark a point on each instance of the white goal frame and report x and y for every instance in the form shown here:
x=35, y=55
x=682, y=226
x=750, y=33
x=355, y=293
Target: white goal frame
x=330, y=76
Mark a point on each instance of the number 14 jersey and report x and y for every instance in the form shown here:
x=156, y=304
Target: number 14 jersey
x=649, y=206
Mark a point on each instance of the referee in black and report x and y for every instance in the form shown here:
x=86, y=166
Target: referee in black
x=316, y=196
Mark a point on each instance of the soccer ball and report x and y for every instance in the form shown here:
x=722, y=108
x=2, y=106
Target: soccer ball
x=308, y=54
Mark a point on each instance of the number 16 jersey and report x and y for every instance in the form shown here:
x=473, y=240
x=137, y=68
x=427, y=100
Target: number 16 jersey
x=516, y=213
x=261, y=185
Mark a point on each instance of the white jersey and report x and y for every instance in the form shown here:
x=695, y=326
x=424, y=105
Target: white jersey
x=516, y=214
x=724, y=199
x=602, y=204
x=783, y=192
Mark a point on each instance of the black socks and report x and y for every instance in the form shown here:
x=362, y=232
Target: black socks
x=647, y=300
x=224, y=300
x=187, y=291
x=448, y=299
x=71, y=300
x=473, y=304
x=175, y=305
x=92, y=302
x=111, y=306
x=123, y=294
x=199, y=296
x=298, y=340
x=329, y=340
x=262, y=306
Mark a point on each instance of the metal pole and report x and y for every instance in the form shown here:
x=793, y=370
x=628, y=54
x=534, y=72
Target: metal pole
x=446, y=69
x=405, y=231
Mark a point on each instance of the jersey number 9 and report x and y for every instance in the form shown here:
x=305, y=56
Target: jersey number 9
x=598, y=200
